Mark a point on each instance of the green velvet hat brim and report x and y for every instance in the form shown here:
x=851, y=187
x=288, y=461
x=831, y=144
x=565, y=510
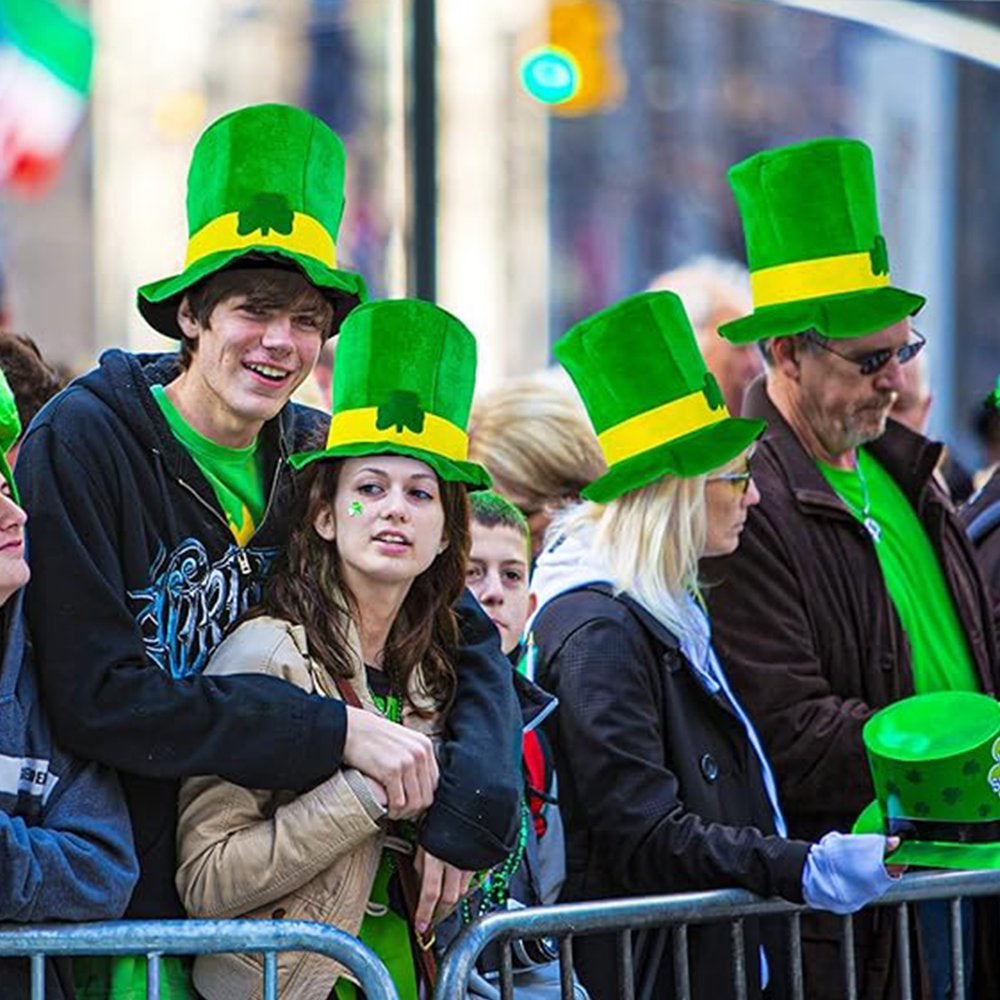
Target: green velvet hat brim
x=853, y=314
x=473, y=475
x=691, y=455
x=158, y=301
x=930, y=853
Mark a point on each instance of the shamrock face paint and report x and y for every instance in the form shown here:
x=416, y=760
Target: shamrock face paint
x=355, y=508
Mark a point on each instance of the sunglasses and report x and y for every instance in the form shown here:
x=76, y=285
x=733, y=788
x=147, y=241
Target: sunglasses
x=874, y=361
x=739, y=479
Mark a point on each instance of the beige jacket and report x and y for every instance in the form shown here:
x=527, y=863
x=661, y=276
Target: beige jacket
x=265, y=854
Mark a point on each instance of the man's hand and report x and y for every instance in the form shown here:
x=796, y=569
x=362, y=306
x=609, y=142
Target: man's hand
x=400, y=760
x=441, y=887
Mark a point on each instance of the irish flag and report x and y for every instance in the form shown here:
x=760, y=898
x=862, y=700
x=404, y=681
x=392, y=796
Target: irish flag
x=46, y=53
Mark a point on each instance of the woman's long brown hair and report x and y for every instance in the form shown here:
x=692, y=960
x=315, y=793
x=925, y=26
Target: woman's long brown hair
x=306, y=585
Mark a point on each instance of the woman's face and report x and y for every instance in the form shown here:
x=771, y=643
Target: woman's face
x=14, y=572
x=729, y=494
x=386, y=520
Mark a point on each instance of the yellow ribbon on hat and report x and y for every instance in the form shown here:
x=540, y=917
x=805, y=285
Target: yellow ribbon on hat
x=439, y=436
x=308, y=237
x=660, y=425
x=811, y=279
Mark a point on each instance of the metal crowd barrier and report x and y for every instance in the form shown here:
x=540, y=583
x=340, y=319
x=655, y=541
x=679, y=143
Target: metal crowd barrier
x=623, y=916
x=156, y=938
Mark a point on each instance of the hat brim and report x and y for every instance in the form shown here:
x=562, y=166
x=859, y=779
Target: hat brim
x=471, y=474
x=853, y=314
x=691, y=455
x=930, y=853
x=158, y=301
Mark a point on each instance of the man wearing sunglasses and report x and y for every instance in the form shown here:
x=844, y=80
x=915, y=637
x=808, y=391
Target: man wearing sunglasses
x=854, y=585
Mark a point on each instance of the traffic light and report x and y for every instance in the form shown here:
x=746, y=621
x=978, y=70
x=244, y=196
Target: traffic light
x=578, y=70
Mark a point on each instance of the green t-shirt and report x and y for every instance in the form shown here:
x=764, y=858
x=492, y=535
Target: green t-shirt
x=913, y=577
x=233, y=473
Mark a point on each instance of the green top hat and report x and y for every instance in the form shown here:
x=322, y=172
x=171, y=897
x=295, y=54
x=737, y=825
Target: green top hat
x=935, y=763
x=403, y=379
x=654, y=405
x=264, y=180
x=817, y=258
x=10, y=431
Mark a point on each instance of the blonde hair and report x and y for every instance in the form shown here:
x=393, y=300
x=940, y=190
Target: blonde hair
x=649, y=541
x=535, y=439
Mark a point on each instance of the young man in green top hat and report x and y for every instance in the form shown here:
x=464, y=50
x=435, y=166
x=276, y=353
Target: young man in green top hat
x=854, y=579
x=981, y=517
x=159, y=488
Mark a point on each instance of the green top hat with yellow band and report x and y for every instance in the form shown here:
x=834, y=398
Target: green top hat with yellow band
x=654, y=405
x=266, y=180
x=10, y=431
x=403, y=378
x=935, y=763
x=816, y=255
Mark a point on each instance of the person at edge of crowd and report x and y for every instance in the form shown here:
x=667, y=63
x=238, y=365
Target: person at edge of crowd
x=854, y=585
x=715, y=290
x=981, y=518
x=360, y=608
x=912, y=407
x=31, y=378
x=66, y=849
x=986, y=424
x=159, y=494
x=498, y=576
x=665, y=786
x=534, y=440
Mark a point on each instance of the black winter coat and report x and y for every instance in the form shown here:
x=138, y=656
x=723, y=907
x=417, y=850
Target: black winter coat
x=660, y=789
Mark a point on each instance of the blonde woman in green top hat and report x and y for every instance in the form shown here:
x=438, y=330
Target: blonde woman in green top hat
x=664, y=783
x=360, y=607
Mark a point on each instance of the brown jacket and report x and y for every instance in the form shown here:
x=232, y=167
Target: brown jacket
x=253, y=853
x=806, y=629
x=981, y=519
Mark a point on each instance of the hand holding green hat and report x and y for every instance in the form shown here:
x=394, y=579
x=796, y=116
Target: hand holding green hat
x=266, y=181
x=403, y=379
x=653, y=403
x=816, y=254
x=935, y=763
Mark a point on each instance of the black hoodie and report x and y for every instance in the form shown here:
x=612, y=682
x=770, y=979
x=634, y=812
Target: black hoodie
x=137, y=577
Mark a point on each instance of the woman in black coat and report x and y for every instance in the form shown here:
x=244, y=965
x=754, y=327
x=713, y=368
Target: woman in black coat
x=664, y=784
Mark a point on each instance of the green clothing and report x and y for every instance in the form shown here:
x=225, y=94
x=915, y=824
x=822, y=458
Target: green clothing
x=233, y=473
x=912, y=573
x=102, y=977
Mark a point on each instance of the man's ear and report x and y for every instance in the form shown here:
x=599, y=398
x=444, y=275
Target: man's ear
x=532, y=603
x=186, y=320
x=324, y=523
x=784, y=354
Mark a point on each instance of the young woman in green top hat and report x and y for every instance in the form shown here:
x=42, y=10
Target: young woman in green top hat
x=665, y=786
x=359, y=607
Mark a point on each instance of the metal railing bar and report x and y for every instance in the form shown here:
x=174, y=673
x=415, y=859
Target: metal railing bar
x=270, y=976
x=850, y=962
x=153, y=976
x=795, y=956
x=626, y=976
x=506, y=972
x=903, y=951
x=957, y=950
x=739, y=959
x=647, y=981
x=682, y=970
x=566, y=968
x=37, y=977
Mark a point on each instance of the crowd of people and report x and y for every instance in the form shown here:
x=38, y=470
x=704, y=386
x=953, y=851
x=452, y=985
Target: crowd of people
x=279, y=663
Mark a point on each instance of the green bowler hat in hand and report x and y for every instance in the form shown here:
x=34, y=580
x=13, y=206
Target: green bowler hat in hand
x=265, y=181
x=403, y=379
x=816, y=254
x=653, y=403
x=935, y=763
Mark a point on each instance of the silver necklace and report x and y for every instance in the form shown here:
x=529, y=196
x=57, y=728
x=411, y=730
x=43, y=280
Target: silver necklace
x=871, y=525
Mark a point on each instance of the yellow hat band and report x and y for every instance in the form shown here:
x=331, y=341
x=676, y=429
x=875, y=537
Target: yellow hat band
x=439, y=436
x=812, y=279
x=308, y=237
x=658, y=426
